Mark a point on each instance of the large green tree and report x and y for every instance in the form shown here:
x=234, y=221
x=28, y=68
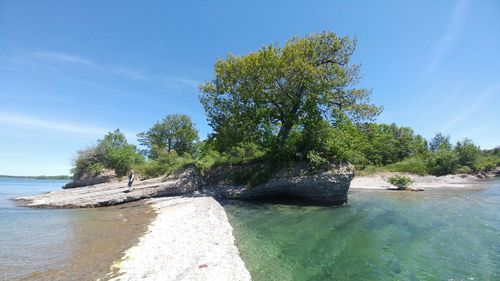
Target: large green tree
x=271, y=91
x=175, y=132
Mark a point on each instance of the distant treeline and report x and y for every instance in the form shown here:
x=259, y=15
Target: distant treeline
x=38, y=177
x=280, y=105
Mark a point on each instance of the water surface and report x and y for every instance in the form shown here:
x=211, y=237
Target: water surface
x=431, y=235
x=62, y=244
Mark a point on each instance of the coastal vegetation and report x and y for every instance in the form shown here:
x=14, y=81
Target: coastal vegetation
x=282, y=105
x=113, y=152
x=401, y=182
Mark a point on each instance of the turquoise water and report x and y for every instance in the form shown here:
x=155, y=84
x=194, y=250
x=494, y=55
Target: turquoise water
x=379, y=235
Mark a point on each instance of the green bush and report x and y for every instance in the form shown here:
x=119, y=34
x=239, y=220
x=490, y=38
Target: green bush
x=255, y=175
x=315, y=160
x=165, y=164
x=340, y=142
x=442, y=162
x=87, y=162
x=401, y=182
x=207, y=160
x=467, y=152
x=112, y=152
x=462, y=170
x=415, y=165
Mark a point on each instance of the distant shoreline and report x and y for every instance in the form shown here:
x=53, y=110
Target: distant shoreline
x=61, y=177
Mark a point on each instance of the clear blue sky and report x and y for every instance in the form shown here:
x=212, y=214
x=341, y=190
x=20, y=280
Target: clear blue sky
x=72, y=70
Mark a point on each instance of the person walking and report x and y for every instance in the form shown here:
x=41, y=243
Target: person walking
x=131, y=178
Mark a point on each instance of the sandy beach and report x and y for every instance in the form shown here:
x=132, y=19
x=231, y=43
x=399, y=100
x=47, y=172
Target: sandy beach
x=190, y=239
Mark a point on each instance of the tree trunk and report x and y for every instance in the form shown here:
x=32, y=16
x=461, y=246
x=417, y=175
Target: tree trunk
x=285, y=129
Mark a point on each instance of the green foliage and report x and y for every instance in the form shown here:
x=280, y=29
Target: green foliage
x=242, y=153
x=282, y=104
x=439, y=142
x=112, y=152
x=165, y=164
x=117, y=154
x=442, y=162
x=487, y=161
x=467, y=153
x=390, y=143
x=340, y=142
x=315, y=160
x=263, y=96
x=255, y=175
x=87, y=162
x=401, y=182
x=175, y=132
x=415, y=165
x=462, y=170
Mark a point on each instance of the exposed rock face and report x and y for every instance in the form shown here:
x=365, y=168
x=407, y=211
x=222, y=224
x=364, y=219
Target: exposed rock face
x=116, y=192
x=328, y=186
x=86, y=180
x=325, y=187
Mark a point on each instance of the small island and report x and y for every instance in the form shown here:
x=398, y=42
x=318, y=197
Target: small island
x=287, y=122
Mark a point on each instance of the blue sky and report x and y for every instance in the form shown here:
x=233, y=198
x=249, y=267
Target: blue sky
x=72, y=70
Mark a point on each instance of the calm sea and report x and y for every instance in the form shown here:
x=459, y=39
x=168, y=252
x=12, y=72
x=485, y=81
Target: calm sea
x=431, y=235
x=62, y=244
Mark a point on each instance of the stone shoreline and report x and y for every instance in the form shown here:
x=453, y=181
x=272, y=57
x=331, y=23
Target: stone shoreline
x=190, y=239
x=328, y=186
x=379, y=181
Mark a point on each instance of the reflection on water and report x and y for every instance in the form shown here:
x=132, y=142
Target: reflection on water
x=431, y=235
x=63, y=244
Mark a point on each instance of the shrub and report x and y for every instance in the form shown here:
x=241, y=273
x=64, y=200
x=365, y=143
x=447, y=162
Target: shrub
x=87, y=162
x=467, y=152
x=255, y=175
x=462, y=170
x=401, y=182
x=414, y=165
x=112, y=152
x=442, y=162
x=315, y=160
x=207, y=160
x=340, y=142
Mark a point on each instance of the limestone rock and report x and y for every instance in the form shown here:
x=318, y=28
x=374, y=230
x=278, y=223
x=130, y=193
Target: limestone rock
x=324, y=187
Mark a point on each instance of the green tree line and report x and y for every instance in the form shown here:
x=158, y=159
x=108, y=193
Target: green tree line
x=279, y=105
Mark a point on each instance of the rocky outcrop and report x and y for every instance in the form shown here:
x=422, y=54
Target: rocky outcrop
x=86, y=180
x=116, y=192
x=326, y=186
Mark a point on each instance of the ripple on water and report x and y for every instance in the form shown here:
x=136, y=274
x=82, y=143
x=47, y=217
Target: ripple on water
x=436, y=235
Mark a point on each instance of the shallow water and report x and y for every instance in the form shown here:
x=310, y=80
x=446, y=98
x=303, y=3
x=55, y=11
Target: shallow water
x=379, y=235
x=63, y=244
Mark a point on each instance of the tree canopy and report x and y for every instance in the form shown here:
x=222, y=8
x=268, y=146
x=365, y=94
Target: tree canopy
x=279, y=104
x=265, y=94
x=112, y=152
x=175, y=132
